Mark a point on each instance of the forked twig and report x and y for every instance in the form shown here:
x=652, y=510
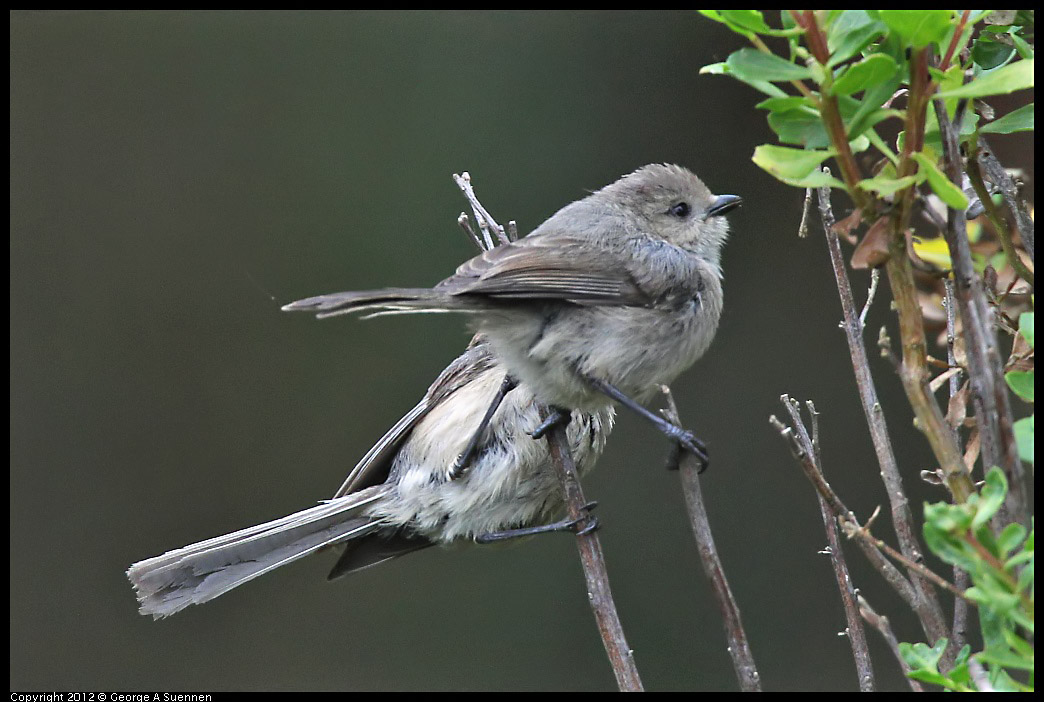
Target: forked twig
x=739, y=648
x=810, y=458
x=884, y=627
x=621, y=657
x=928, y=608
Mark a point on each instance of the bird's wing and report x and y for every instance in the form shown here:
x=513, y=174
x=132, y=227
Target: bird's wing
x=548, y=266
x=375, y=466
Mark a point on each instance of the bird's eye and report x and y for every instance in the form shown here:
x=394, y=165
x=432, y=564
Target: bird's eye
x=680, y=210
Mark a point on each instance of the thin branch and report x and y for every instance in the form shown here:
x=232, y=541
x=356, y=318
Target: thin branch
x=806, y=208
x=989, y=392
x=621, y=657
x=914, y=371
x=830, y=111
x=999, y=177
x=902, y=518
x=884, y=627
x=854, y=630
x=875, y=278
x=599, y=594
x=952, y=48
x=736, y=636
x=482, y=216
x=924, y=571
x=799, y=443
x=961, y=579
x=999, y=225
x=465, y=224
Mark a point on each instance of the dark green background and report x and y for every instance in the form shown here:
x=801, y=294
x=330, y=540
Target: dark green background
x=171, y=173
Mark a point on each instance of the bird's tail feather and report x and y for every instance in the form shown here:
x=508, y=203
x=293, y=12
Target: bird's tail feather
x=386, y=300
x=200, y=572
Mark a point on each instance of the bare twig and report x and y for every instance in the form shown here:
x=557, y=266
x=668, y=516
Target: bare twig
x=961, y=578
x=884, y=627
x=854, y=630
x=989, y=392
x=800, y=446
x=806, y=208
x=483, y=218
x=465, y=224
x=599, y=594
x=738, y=646
x=621, y=657
x=864, y=533
x=999, y=225
x=875, y=278
x=928, y=607
x=951, y=335
x=999, y=177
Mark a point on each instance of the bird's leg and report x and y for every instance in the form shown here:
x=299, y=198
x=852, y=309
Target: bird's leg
x=685, y=438
x=464, y=460
x=573, y=525
x=557, y=416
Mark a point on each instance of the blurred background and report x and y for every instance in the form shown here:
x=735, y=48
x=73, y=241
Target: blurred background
x=176, y=177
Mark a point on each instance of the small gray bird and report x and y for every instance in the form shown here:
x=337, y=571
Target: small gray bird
x=613, y=296
x=405, y=494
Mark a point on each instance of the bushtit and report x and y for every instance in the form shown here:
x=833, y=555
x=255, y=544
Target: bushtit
x=408, y=492
x=610, y=298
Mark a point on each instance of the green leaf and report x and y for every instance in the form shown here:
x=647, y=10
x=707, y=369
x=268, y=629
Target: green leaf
x=991, y=497
x=920, y=655
x=802, y=127
x=1024, y=438
x=872, y=70
x=1014, y=76
x=751, y=21
x=1020, y=120
x=952, y=78
x=1026, y=327
x=941, y=185
x=1010, y=538
x=1021, y=383
x=886, y=186
x=869, y=111
x=784, y=104
x=784, y=162
x=751, y=64
x=918, y=28
x=722, y=69
x=814, y=180
x=1006, y=658
x=850, y=33
x=1022, y=46
x=989, y=53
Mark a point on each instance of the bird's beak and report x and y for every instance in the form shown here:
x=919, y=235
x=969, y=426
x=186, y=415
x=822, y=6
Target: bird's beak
x=723, y=204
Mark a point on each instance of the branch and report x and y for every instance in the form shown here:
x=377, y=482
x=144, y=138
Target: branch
x=902, y=517
x=989, y=391
x=999, y=225
x=960, y=576
x=999, y=177
x=854, y=630
x=482, y=216
x=738, y=646
x=801, y=446
x=884, y=627
x=621, y=657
